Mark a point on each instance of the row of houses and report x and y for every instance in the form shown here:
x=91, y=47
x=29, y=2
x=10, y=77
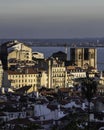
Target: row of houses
x=23, y=110
x=34, y=77
x=53, y=77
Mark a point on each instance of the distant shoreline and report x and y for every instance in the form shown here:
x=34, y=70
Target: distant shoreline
x=72, y=42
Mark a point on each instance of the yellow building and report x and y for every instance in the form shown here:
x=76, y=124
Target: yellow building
x=25, y=77
x=19, y=51
x=61, y=75
x=69, y=79
x=57, y=74
x=43, y=78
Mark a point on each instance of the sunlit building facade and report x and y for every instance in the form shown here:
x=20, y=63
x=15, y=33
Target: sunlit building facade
x=84, y=57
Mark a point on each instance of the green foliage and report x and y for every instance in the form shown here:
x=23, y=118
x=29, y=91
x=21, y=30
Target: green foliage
x=89, y=88
x=33, y=127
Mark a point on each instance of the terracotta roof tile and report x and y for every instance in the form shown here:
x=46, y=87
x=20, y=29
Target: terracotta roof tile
x=23, y=71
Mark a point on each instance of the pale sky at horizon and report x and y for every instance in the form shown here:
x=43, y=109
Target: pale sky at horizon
x=51, y=18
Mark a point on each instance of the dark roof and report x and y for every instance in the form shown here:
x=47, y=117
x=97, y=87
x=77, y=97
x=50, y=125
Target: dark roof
x=23, y=71
x=60, y=54
x=52, y=107
x=2, y=114
x=23, y=89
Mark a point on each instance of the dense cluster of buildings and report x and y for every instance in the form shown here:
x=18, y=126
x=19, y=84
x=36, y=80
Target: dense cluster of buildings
x=21, y=66
x=25, y=72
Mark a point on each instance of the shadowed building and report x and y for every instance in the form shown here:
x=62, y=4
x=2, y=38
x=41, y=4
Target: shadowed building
x=60, y=56
x=84, y=57
x=3, y=56
x=14, y=50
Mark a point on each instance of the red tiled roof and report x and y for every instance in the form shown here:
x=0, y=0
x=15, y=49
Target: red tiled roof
x=65, y=89
x=23, y=71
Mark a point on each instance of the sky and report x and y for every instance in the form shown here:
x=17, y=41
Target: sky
x=51, y=18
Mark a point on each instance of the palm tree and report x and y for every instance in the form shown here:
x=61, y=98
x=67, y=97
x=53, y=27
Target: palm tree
x=89, y=88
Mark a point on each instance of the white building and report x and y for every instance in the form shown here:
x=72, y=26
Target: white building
x=7, y=116
x=77, y=72
x=37, y=55
x=46, y=113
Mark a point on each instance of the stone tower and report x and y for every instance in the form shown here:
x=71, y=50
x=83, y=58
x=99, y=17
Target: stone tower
x=84, y=57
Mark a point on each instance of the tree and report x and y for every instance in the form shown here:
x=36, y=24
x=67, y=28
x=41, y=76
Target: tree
x=89, y=88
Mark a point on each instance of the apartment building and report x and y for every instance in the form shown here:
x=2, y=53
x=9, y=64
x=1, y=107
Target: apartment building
x=69, y=79
x=27, y=77
x=61, y=75
x=77, y=72
x=56, y=73
x=24, y=77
